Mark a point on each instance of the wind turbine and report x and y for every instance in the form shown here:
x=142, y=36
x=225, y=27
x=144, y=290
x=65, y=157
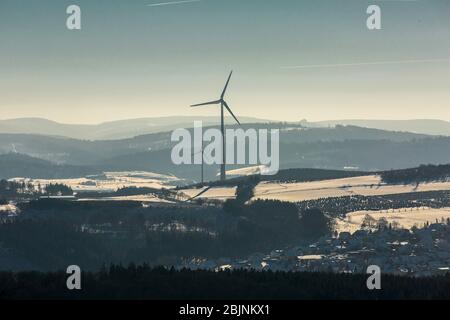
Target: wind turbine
x=223, y=104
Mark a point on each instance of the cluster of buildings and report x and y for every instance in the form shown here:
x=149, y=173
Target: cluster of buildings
x=416, y=252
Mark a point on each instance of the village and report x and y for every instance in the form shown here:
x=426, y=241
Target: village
x=416, y=252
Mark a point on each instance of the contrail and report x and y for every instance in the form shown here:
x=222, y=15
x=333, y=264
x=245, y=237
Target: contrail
x=376, y=63
x=171, y=3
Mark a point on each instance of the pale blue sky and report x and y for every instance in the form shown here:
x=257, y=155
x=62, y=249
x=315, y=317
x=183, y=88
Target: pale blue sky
x=133, y=60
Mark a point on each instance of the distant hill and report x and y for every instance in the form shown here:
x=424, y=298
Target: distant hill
x=341, y=148
x=431, y=127
x=85, y=152
x=124, y=129
x=108, y=130
x=19, y=165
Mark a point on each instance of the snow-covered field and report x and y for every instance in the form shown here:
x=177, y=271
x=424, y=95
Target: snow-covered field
x=293, y=192
x=406, y=217
x=219, y=193
x=111, y=181
x=248, y=171
x=8, y=209
x=365, y=186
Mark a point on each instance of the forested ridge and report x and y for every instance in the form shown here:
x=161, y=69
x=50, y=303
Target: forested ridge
x=50, y=234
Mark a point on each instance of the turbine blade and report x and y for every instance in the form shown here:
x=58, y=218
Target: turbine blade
x=226, y=85
x=231, y=112
x=206, y=103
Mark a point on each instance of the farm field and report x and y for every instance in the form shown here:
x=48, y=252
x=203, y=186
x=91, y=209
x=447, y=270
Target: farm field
x=364, y=186
x=302, y=191
x=406, y=218
x=110, y=181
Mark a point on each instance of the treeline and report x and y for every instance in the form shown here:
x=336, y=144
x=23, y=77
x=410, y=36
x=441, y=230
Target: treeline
x=144, y=282
x=245, y=189
x=340, y=206
x=57, y=189
x=306, y=175
x=424, y=173
x=127, y=191
x=12, y=190
x=289, y=175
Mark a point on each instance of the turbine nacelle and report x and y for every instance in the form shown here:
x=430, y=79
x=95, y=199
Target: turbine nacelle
x=221, y=101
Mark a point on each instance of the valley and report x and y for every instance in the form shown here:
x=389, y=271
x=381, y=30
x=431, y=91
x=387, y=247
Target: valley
x=131, y=204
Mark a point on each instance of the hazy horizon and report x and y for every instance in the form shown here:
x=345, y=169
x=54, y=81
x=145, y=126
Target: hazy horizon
x=292, y=60
x=228, y=118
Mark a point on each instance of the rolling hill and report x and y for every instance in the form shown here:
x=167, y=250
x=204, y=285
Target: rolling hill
x=425, y=126
x=86, y=152
x=123, y=129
